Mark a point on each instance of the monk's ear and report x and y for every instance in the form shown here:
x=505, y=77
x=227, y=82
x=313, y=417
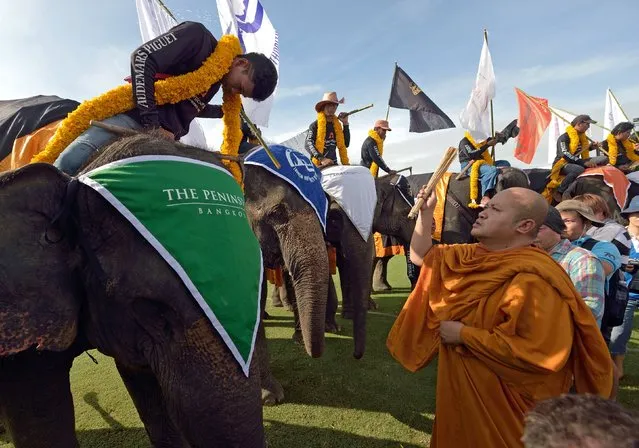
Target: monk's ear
x=526, y=226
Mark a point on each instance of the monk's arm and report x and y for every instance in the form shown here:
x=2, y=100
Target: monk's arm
x=421, y=241
x=535, y=335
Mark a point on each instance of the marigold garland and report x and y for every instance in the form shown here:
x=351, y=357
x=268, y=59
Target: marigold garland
x=167, y=91
x=380, y=148
x=320, y=140
x=232, y=133
x=474, y=182
x=613, y=149
x=576, y=140
x=486, y=154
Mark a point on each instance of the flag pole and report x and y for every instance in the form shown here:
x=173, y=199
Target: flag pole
x=624, y=113
x=168, y=11
x=391, y=92
x=492, y=117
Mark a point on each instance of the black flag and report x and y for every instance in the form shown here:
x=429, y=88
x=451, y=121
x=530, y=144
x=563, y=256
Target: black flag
x=424, y=114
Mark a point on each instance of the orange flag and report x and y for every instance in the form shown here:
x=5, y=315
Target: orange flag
x=534, y=118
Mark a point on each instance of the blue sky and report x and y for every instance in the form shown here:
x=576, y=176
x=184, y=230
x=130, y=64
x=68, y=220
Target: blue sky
x=566, y=51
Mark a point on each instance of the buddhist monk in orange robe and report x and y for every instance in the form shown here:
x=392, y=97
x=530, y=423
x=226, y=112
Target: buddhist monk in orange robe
x=506, y=321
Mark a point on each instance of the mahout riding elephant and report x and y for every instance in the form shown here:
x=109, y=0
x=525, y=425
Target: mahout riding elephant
x=74, y=274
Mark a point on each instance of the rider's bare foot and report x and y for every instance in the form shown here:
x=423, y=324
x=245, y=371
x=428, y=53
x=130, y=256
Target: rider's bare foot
x=484, y=201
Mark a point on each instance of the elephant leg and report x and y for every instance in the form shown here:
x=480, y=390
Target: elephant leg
x=347, y=299
x=272, y=391
x=331, y=308
x=147, y=396
x=275, y=296
x=36, y=404
x=380, y=275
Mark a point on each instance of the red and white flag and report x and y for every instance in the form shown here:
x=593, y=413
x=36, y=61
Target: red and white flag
x=534, y=118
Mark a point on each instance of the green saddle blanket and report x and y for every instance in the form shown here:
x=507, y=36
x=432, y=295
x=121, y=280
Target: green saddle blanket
x=193, y=214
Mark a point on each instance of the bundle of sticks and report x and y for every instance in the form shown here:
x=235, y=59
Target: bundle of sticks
x=444, y=164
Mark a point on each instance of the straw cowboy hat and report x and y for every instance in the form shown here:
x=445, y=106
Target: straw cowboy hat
x=382, y=124
x=328, y=98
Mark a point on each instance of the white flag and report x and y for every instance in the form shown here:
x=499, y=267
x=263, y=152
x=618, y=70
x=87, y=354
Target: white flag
x=613, y=114
x=476, y=116
x=249, y=22
x=558, y=127
x=155, y=20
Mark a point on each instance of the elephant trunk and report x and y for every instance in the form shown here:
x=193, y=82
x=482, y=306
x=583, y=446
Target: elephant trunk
x=209, y=398
x=306, y=259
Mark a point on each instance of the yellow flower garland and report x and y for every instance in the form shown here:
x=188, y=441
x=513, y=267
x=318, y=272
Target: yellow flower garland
x=576, y=140
x=167, y=91
x=320, y=140
x=486, y=154
x=232, y=133
x=474, y=182
x=613, y=149
x=380, y=147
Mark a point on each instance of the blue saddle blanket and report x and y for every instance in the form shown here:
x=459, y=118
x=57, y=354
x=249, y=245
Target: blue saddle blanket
x=298, y=170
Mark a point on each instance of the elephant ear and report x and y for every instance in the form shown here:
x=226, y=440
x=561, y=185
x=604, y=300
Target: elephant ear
x=39, y=304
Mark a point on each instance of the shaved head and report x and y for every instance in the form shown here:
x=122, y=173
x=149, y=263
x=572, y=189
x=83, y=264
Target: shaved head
x=528, y=205
x=512, y=218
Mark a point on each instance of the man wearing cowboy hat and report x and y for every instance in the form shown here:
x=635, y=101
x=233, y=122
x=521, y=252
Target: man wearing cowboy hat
x=334, y=133
x=371, y=150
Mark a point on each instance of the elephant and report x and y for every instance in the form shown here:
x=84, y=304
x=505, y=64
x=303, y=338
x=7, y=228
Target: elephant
x=291, y=236
x=586, y=184
x=75, y=274
x=394, y=202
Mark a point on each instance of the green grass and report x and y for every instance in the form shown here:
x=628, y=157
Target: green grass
x=334, y=401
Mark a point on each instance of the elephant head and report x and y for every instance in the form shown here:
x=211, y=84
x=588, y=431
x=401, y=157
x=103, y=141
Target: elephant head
x=512, y=177
x=291, y=235
x=39, y=294
x=394, y=199
x=92, y=267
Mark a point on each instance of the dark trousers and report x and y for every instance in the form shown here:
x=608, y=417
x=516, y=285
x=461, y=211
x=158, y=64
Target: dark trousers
x=571, y=171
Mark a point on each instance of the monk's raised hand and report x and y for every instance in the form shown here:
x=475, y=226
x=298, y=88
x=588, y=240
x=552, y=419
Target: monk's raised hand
x=450, y=332
x=430, y=202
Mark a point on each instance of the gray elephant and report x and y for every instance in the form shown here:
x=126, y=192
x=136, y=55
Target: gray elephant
x=291, y=236
x=75, y=274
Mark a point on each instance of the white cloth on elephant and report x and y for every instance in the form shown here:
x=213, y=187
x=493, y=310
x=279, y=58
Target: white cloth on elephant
x=353, y=188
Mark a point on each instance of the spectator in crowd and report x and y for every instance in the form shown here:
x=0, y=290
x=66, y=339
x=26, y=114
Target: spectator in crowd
x=611, y=231
x=586, y=421
x=621, y=335
x=583, y=267
x=579, y=218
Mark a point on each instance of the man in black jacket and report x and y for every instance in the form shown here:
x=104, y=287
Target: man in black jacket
x=183, y=49
x=575, y=163
x=373, y=148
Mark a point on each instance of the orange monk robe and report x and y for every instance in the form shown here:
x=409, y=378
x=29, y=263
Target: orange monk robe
x=528, y=335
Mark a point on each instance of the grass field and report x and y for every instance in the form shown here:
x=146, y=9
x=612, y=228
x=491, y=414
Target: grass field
x=334, y=401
